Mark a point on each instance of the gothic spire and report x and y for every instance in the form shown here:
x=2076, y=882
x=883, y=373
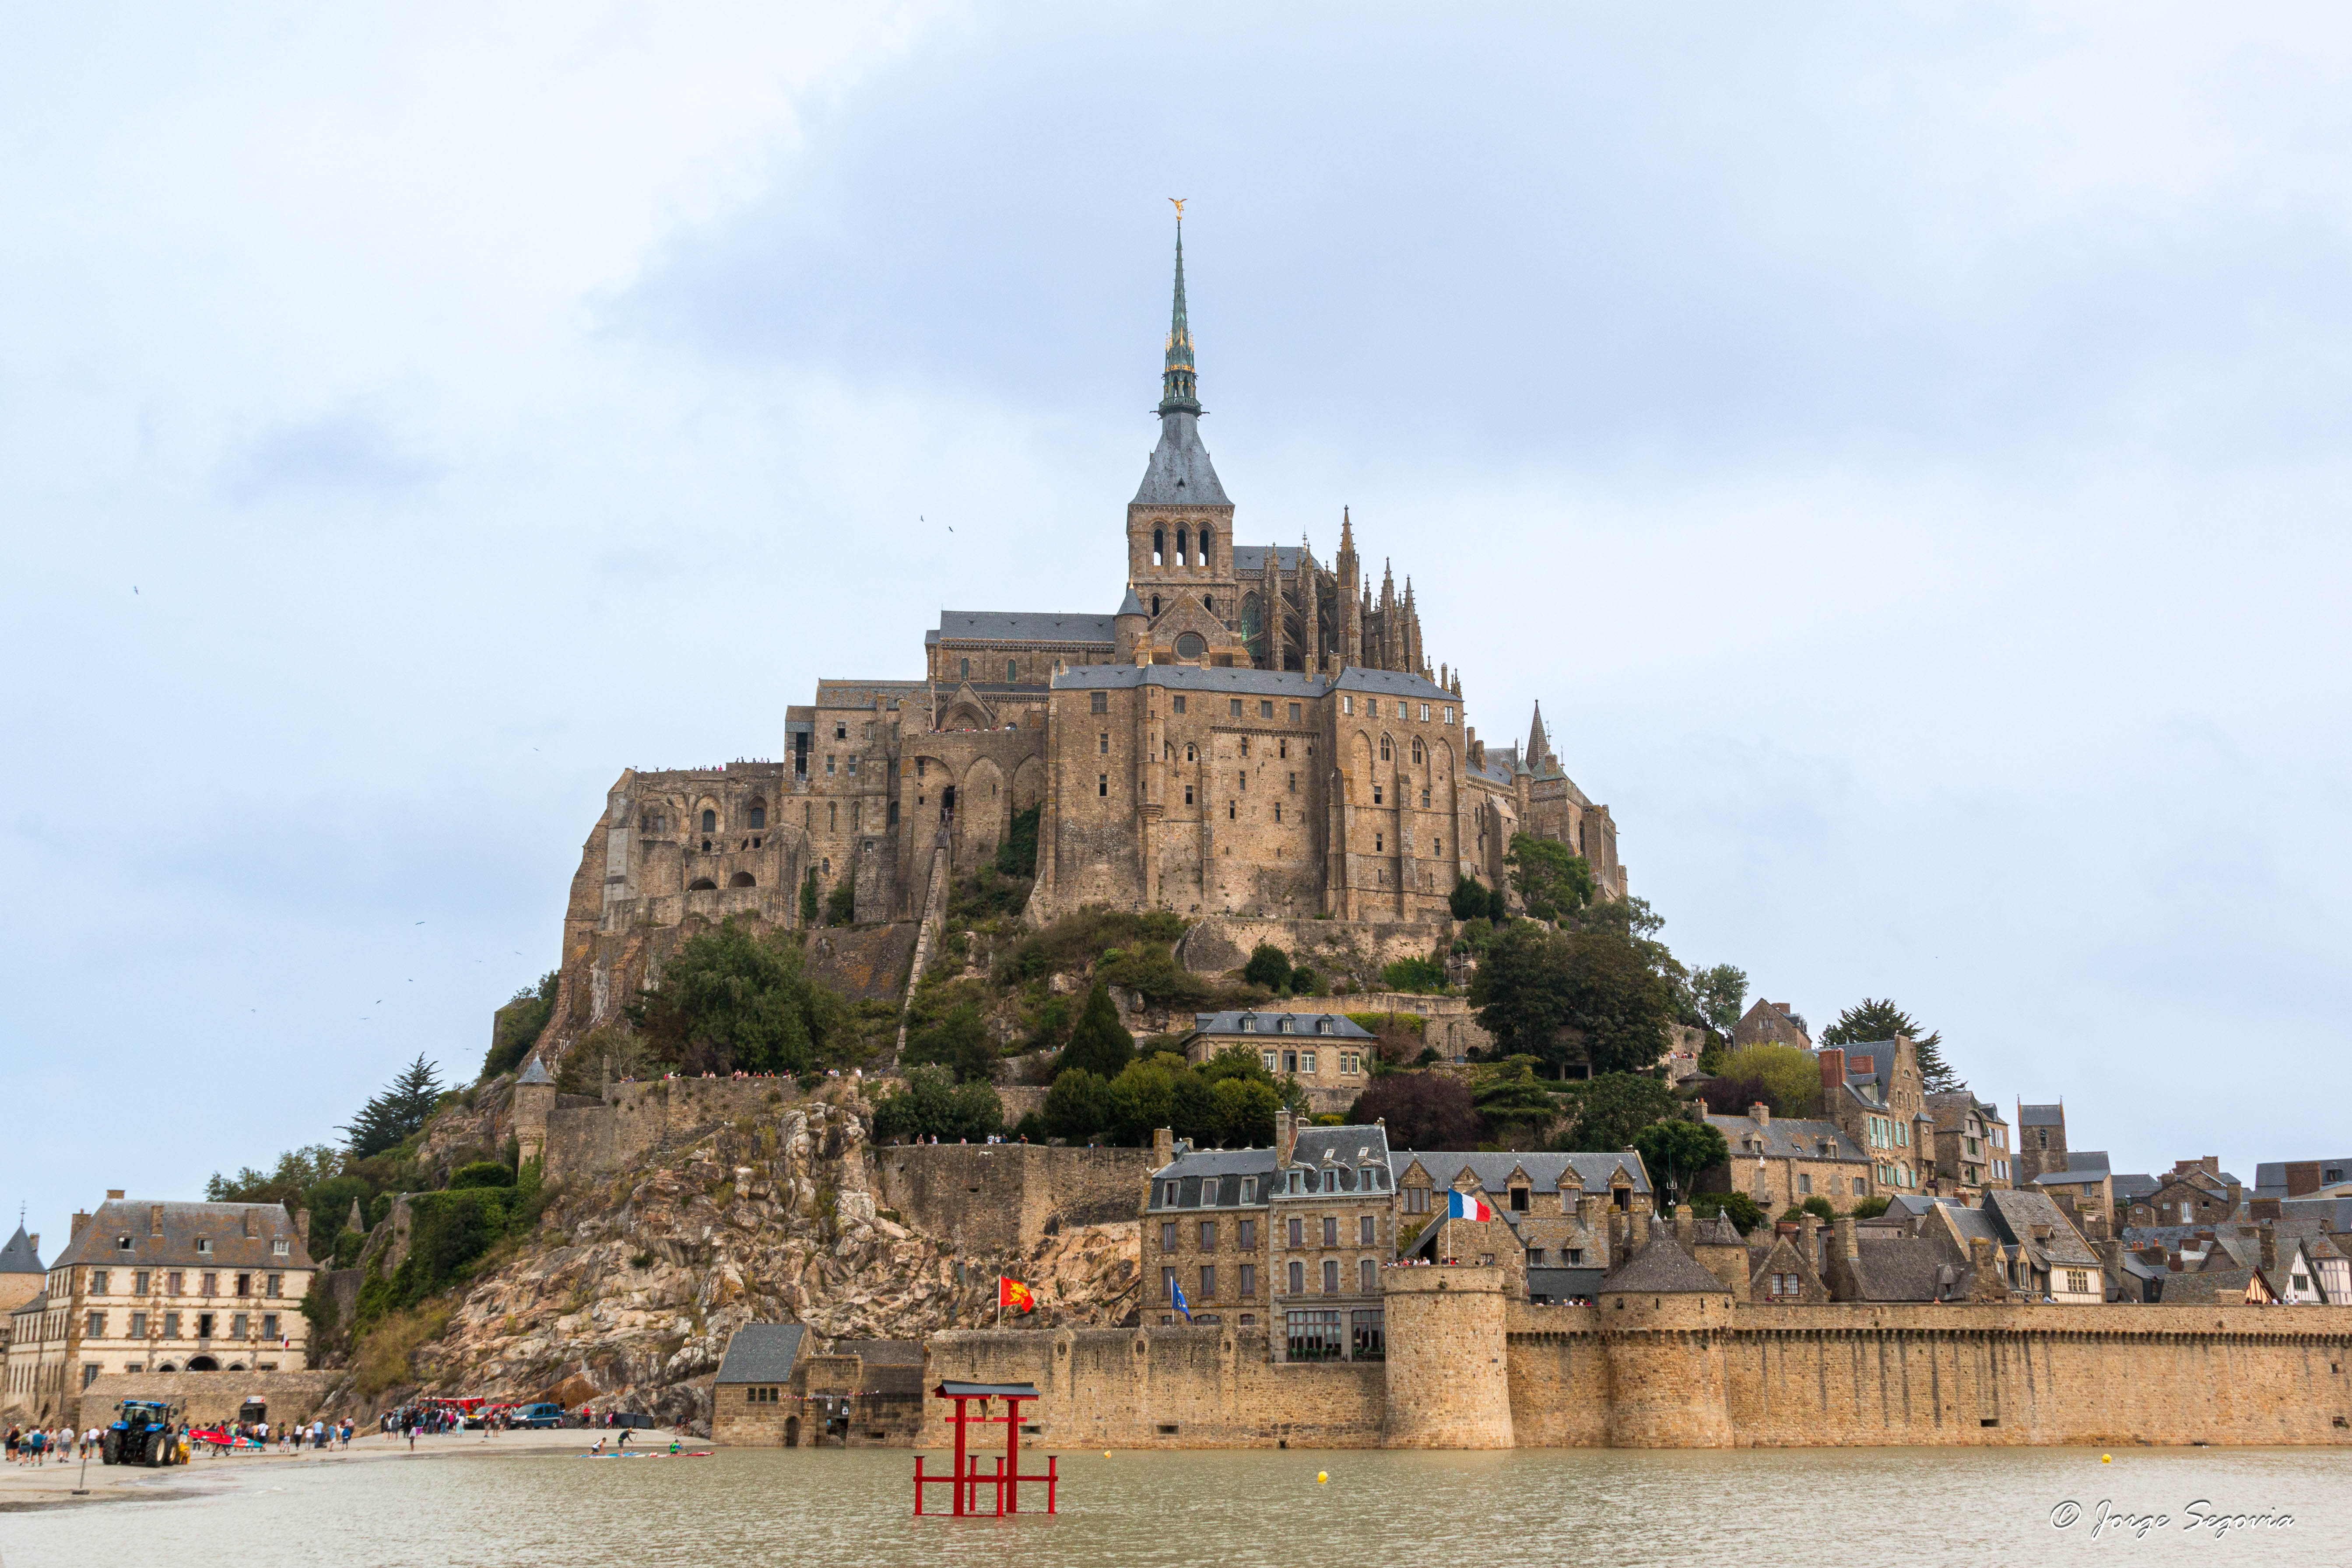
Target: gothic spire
x=1177, y=392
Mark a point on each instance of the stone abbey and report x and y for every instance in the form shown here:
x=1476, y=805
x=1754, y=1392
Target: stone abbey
x=1251, y=731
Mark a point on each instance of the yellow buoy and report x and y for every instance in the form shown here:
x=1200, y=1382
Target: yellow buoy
x=1322, y=1475
x=2106, y=1458
x=1106, y=1453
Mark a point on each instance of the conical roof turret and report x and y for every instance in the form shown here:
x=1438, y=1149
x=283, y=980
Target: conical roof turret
x=1180, y=472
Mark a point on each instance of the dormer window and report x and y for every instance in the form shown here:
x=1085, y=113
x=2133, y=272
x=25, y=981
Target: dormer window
x=1249, y=1025
x=1322, y=1026
x=280, y=1249
x=121, y=1243
x=1282, y=1025
x=204, y=1247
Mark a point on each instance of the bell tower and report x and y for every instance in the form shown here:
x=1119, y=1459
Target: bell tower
x=1180, y=526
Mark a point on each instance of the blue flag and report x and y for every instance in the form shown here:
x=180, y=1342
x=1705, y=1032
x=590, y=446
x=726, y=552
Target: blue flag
x=1176, y=1292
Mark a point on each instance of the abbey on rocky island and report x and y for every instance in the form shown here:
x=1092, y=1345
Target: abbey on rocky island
x=1251, y=732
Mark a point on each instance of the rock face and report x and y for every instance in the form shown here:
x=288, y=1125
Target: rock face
x=628, y=1291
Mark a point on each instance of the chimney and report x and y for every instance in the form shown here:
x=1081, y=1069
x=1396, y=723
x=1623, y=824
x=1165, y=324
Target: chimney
x=2270, y=1247
x=1685, y=1227
x=2212, y=1164
x=35, y=1239
x=252, y=1222
x=1588, y=1212
x=1848, y=1247
x=1759, y=1113
x=2237, y=1195
x=1832, y=1062
x=1286, y=1137
x=114, y=1194
x=1163, y=1147
x=80, y=1223
x=302, y=1226
x=2262, y=1208
x=154, y=1219
x=1809, y=1236
x=2172, y=1261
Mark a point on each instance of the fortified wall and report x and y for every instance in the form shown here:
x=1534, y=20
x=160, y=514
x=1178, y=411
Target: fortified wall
x=1006, y=1197
x=1464, y=1368
x=210, y=1397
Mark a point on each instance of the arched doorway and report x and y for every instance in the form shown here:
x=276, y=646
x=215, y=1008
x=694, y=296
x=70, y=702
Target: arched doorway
x=202, y=1364
x=791, y=1431
x=946, y=803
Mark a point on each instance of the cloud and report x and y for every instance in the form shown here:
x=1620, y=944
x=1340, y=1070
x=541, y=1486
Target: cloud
x=349, y=452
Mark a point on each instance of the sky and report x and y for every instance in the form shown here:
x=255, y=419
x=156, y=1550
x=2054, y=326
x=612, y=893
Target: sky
x=1903, y=449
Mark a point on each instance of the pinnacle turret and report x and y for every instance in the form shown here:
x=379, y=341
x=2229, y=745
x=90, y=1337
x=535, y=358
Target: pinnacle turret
x=1179, y=390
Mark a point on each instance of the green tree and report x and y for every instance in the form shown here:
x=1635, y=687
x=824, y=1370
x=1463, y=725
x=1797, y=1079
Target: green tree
x=1100, y=1043
x=1816, y=1205
x=516, y=1027
x=960, y=1042
x=1510, y=1101
x=1607, y=1110
x=933, y=1105
x=1552, y=880
x=1871, y=1208
x=1423, y=1110
x=1574, y=996
x=1716, y=997
x=841, y=904
x=1744, y=1212
x=1471, y=900
x=1785, y=1078
x=1872, y=1019
x=1017, y=856
x=1675, y=1153
x=1143, y=1100
x=1246, y=1109
x=1268, y=966
x=809, y=898
x=397, y=1114
x=1420, y=975
x=1077, y=1107
x=730, y=999
x=481, y=1173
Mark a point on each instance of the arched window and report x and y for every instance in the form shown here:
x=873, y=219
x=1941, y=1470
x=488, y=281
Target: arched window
x=1158, y=556
x=1011, y=669
x=742, y=879
x=1298, y=1279
x=1208, y=604
x=702, y=884
x=1183, y=540
x=1416, y=749
x=1155, y=604
x=1192, y=644
x=1330, y=1277
x=1205, y=547
x=966, y=672
x=1384, y=748
x=710, y=822
x=758, y=814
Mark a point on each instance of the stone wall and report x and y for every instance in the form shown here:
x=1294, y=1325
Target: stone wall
x=210, y=1396
x=1163, y=1388
x=584, y=1139
x=1000, y=1197
x=1217, y=944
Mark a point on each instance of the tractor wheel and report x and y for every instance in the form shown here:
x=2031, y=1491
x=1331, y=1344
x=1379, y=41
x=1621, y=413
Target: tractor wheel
x=154, y=1452
x=110, y=1448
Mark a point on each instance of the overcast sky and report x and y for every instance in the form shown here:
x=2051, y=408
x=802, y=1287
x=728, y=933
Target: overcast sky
x=1904, y=449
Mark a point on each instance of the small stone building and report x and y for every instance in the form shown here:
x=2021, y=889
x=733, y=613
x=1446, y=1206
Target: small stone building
x=1329, y=1054
x=1782, y=1161
x=779, y=1387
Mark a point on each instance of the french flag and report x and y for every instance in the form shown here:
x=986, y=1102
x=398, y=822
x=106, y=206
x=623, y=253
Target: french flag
x=1467, y=1205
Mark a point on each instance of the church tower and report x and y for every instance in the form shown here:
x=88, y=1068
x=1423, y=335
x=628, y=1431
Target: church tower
x=1180, y=526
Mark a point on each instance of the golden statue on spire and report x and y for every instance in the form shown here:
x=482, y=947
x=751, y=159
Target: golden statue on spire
x=1180, y=202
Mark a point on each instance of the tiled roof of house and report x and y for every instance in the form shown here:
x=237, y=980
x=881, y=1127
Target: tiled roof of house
x=1784, y=1137
x=18, y=1256
x=1249, y=560
x=1190, y=677
x=2042, y=1116
x=2019, y=1212
x=2222, y=1287
x=1022, y=627
x=2082, y=1165
x=1910, y=1269
x=151, y=1234
x=1661, y=1267
x=763, y=1353
x=1716, y=1230
x=1331, y=1026
x=1545, y=1173
x=1391, y=682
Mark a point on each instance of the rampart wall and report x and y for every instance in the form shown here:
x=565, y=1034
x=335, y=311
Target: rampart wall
x=584, y=1138
x=994, y=1197
x=209, y=1397
x=1210, y=1387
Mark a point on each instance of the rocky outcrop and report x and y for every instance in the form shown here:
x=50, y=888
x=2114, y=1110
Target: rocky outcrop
x=628, y=1292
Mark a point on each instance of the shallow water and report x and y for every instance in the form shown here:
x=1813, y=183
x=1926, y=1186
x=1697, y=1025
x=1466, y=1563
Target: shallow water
x=1922, y=1507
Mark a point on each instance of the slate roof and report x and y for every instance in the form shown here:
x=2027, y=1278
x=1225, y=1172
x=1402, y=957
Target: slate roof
x=1788, y=1137
x=2222, y=1287
x=1910, y=1269
x=2333, y=1213
x=2042, y=1116
x=18, y=1256
x=2130, y=1189
x=1880, y=1055
x=2270, y=1178
x=33, y=1308
x=1265, y=1023
x=1347, y=1146
x=1018, y=626
x=534, y=1071
x=184, y=1224
x=1562, y=1284
x=1544, y=1171
x=1234, y=681
x=1193, y=1168
x=1180, y=472
x=1716, y=1230
x=1660, y=1268
x=763, y=1353
x=847, y=694
x=1249, y=560
x=2017, y=1212
x=2082, y=1165
x=1391, y=682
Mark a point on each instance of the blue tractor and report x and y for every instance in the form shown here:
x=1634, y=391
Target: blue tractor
x=145, y=1432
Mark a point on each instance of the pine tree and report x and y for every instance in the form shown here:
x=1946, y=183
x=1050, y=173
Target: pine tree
x=396, y=1113
x=1100, y=1044
x=1878, y=1019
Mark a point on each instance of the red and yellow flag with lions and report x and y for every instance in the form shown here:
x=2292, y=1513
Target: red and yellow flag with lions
x=1013, y=1294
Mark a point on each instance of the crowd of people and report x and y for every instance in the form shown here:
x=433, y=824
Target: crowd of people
x=39, y=1445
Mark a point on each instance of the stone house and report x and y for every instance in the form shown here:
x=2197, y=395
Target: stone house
x=1926, y=1266
x=1785, y=1266
x=2194, y=1192
x=1970, y=1148
x=161, y=1287
x=778, y=1387
x=2025, y=1241
x=1874, y=1094
x=1329, y=1054
x=2327, y=1178
x=2085, y=1184
x=2041, y=1140
x=1780, y=1162
x=1770, y=1024
x=1557, y=1204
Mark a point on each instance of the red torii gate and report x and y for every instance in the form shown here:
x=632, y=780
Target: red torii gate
x=967, y=1480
